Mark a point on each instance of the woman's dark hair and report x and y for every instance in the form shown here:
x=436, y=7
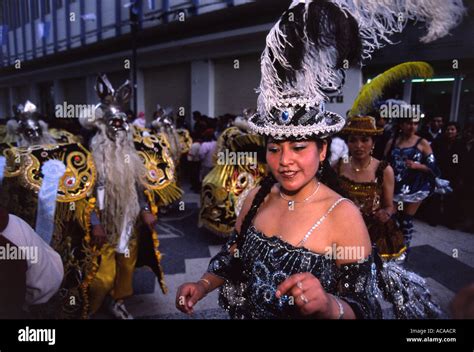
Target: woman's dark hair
x=326, y=175
x=452, y=123
x=265, y=186
x=395, y=135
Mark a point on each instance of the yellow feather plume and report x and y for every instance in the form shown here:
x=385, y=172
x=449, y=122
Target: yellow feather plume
x=373, y=90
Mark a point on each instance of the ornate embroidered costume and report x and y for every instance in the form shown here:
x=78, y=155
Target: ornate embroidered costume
x=236, y=171
x=63, y=220
x=134, y=175
x=387, y=237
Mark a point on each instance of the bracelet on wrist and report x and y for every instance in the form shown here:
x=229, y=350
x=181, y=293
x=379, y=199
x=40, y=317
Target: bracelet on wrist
x=207, y=283
x=340, y=306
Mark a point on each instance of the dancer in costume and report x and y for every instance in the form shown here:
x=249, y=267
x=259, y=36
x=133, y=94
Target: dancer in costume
x=274, y=265
x=179, y=139
x=226, y=186
x=50, y=186
x=414, y=165
x=126, y=202
x=369, y=183
x=28, y=129
x=166, y=144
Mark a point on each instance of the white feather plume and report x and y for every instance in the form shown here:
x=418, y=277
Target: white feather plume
x=316, y=74
x=379, y=19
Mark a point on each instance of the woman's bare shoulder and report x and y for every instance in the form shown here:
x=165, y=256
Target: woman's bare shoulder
x=337, y=205
x=388, y=172
x=347, y=225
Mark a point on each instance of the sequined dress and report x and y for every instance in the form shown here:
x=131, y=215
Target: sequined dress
x=387, y=237
x=252, y=277
x=412, y=185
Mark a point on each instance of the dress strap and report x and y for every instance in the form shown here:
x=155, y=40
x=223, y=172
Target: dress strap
x=417, y=142
x=320, y=221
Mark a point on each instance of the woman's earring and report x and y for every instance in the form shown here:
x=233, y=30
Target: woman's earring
x=320, y=170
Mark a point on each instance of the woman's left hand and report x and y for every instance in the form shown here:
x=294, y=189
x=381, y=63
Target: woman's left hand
x=308, y=295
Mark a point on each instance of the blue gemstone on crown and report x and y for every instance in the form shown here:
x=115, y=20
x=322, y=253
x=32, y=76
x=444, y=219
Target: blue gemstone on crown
x=285, y=115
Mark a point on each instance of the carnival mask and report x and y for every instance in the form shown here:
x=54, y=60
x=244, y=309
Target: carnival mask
x=30, y=129
x=109, y=111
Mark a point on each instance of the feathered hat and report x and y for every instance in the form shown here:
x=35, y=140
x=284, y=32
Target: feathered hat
x=361, y=126
x=302, y=62
x=309, y=48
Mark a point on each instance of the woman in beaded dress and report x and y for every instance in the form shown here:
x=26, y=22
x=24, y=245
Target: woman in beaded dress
x=299, y=249
x=415, y=169
x=369, y=183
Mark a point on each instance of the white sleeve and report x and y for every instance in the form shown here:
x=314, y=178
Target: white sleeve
x=45, y=268
x=339, y=150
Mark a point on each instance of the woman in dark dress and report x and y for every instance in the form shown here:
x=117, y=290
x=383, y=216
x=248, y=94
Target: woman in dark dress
x=299, y=249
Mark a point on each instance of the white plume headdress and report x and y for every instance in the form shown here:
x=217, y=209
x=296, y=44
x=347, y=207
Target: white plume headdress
x=302, y=63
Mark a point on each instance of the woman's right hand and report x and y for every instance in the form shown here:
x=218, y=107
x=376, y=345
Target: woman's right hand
x=188, y=295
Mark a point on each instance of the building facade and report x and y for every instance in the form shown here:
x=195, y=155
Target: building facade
x=191, y=55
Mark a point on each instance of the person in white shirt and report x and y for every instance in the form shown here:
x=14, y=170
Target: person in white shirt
x=29, y=267
x=140, y=121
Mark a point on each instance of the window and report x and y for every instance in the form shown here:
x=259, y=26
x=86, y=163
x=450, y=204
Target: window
x=15, y=14
x=34, y=9
x=26, y=12
x=434, y=96
x=47, y=6
x=6, y=14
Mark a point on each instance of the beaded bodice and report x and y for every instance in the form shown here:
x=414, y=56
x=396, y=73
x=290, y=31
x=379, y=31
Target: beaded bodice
x=366, y=195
